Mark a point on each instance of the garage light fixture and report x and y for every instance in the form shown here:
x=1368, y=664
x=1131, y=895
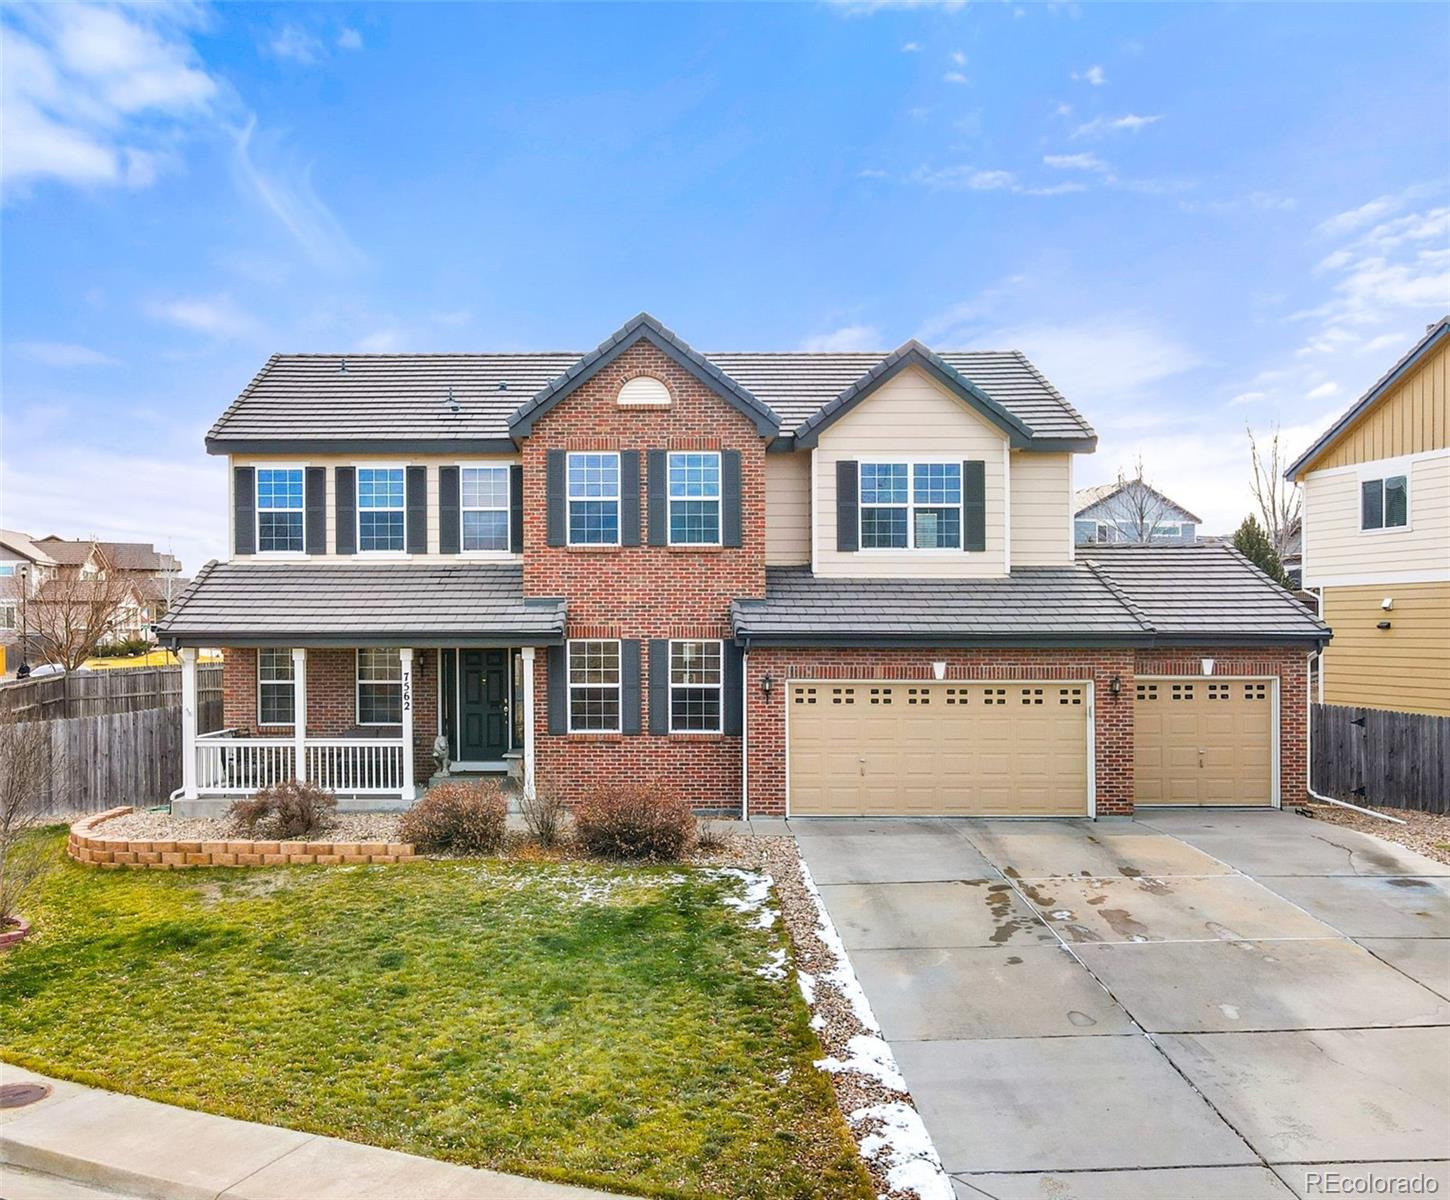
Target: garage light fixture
x=767, y=681
x=1207, y=664
x=1116, y=687
x=939, y=670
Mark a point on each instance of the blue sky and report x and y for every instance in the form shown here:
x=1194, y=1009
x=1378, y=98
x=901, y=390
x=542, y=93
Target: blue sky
x=1192, y=217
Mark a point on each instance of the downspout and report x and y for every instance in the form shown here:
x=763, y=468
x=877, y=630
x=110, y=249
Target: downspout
x=745, y=735
x=1308, y=765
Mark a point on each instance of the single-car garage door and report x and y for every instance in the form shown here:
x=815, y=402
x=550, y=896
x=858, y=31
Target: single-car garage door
x=1203, y=741
x=938, y=749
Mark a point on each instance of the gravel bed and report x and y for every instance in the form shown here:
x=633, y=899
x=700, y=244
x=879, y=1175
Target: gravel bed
x=160, y=826
x=1424, y=833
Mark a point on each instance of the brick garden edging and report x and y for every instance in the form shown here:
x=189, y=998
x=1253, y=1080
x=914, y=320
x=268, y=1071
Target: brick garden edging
x=90, y=850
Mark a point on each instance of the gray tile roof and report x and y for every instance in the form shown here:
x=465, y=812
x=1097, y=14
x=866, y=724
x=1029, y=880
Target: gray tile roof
x=1131, y=596
x=469, y=398
x=360, y=603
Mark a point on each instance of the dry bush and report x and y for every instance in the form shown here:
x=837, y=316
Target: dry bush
x=465, y=818
x=544, y=812
x=636, y=820
x=26, y=772
x=286, y=810
x=711, y=835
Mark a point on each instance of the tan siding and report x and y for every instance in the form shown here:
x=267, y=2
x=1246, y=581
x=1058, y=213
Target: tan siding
x=431, y=461
x=788, y=509
x=1405, y=667
x=1412, y=417
x=910, y=415
x=1041, y=509
x=1335, y=548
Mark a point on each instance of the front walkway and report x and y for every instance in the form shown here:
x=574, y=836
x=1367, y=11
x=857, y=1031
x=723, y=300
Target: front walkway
x=1194, y=1004
x=124, y=1145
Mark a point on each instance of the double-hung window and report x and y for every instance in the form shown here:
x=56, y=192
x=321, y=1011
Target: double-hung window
x=279, y=510
x=275, y=694
x=594, y=702
x=911, y=506
x=484, y=496
x=593, y=495
x=380, y=513
x=694, y=498
x=379, y=687
x=696, y=683
x=1384, y=503
x=7, y=616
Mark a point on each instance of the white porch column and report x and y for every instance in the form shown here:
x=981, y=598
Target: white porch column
x=528, y=656
x=299, y=712
x=409, y=792
x=188, y=723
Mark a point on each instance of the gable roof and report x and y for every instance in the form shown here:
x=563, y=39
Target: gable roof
x=643, y=328
x=1434, y=336
x=120, y=556
x=15, y=542
x=1088, y=497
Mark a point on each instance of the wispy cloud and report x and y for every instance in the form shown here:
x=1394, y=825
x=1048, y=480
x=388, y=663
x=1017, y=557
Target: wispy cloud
x=958, y=57
x=871, y=173
x=848, y=337
x=1323, y=391
x=1129, y=122
x=869, y=8
x=964, y=179
x=1369, y=212
x=1075, y=162
x=295, y=44
x=217, y=316
x=62, y=354
x=1094, y=75
x=349, y=39
x=954, y=77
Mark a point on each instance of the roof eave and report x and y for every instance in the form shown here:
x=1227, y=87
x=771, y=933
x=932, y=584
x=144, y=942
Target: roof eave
x=391, y=445
x=435, y=639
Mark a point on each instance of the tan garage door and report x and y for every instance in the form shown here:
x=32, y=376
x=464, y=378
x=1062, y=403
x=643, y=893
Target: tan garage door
x=1203, y=741
x=945, y=749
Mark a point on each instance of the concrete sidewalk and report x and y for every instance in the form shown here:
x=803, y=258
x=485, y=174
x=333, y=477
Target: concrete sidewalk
x=122, y=1144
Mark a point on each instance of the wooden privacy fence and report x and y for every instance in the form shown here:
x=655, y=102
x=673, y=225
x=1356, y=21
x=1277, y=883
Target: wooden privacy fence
x=125, y=747
x=1372, y=756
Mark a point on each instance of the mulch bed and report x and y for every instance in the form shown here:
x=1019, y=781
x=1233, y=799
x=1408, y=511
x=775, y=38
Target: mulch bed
x=1424, y=833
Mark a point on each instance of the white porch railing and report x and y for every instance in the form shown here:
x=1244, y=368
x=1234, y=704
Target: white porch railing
x=237, y=766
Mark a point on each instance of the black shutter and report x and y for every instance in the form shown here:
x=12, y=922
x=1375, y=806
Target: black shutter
x=974, y=504
x=730, y=498
x=516, y=509
x=659, y=686
x=558, y=689
x=416, y=519
x=315, y=535
x=629, y=497
x=450, y=537
x=732, y=680
x=448, y=673
x=659, y=498
x=557, y=498
x=629, y=685
x=244, y=511
x=847, y=493
x=345, y=485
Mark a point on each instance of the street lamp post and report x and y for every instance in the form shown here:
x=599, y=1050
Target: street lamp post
x=23, y=670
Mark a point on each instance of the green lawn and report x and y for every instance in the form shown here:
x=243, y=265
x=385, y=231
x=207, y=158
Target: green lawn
x=599, y=1024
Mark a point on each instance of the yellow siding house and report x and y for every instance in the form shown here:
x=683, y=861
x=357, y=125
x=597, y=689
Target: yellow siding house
x=1377, y=537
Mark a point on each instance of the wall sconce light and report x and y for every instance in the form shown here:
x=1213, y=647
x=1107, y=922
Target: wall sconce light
x=1383, y=625
x=938, y=670
x=1207, y=665
x=767, y=681
x=1116, y=687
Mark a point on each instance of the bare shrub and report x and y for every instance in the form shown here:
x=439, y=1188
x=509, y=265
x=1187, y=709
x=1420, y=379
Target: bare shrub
x=636, y=820
x=26, y=773
x=465, y=818
x=544, y=812
x=711, y=835
x=286, y=810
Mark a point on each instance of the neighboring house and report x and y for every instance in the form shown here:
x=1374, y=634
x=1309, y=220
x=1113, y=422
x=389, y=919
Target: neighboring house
x=828, y=583
x=24, y=567
x=1377, y=537
x=1130, y=511
x=1293, y=556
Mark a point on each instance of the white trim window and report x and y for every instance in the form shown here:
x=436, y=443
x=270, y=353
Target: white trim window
x=910, y=505
x=1384, y=503
x=484, y=507
x=8, y=616
x=594, y=686
x=379, y=687
x=7, y=569
x=280, y=511
x=593, y=498
x=697, y=682
x=276, y=695
x=381, y=514
x=694, y=483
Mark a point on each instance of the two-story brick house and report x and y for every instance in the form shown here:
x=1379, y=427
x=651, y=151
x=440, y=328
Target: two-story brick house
x=787, y=582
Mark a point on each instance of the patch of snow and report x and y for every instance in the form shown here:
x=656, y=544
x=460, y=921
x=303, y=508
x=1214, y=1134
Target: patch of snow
x=807, y=983
x=757, y=893
x=901, y=1147
x=867, y=1054
x=818, y=1022
x=774, y=968
x=841, y=976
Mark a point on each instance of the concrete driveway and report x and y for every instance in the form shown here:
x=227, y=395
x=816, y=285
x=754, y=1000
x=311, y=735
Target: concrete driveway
x=1192, y=1004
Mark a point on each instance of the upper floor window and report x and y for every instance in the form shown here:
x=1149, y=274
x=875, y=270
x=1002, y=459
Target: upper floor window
x=696, y=682
x=7, y=570
x=379, y=687
x=911, y=506
x=7, y=616
x=694, y=499
x=275, y=694
x=380, y=512
x=1384, y=503
x=279, y=509
x=594, y=686
x=485, y=507
x=593, y=492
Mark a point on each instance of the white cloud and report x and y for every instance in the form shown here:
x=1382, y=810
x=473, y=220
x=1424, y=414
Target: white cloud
x=1062, y=110
x=216, y=316
x=1131, y=122
x=62, y=354
x=1075, y=162
x=848, y=337
x=295, y=44
x=1356, y=218
x=1323, y=391
x=1248, y=398
x=388, y=340
x=871, y=173
x=1093, y=75
x=954, y=77
x=349, y=39
x=963, y=178
x=958, y=57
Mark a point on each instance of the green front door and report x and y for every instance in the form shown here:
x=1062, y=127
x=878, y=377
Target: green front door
x=483, y=705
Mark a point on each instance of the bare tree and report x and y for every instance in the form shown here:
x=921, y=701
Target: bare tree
x=27, y=775
x=1279, y=499
x=1138, y=508
x=72, y=613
